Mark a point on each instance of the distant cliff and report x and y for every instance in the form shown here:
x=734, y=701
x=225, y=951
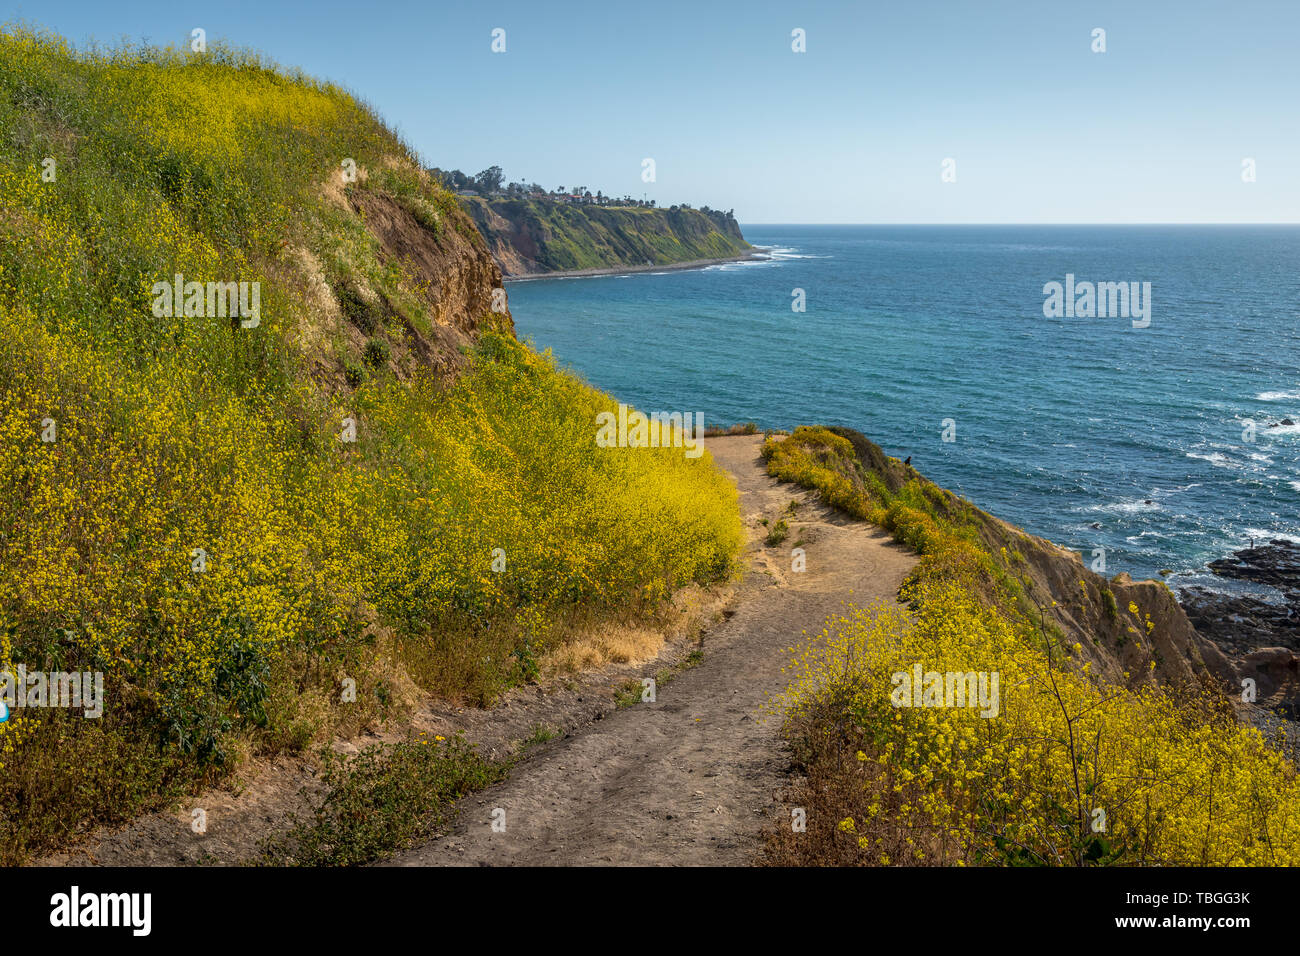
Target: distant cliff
x=533, y=237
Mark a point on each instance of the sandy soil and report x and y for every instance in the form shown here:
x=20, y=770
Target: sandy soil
x=693, y=778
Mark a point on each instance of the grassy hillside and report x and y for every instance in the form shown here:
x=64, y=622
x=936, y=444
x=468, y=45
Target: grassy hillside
x=184, y=511
x=530, y=236
x=1089, y=759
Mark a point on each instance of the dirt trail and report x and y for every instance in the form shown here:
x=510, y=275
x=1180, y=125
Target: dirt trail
x=694, y=777
x=690, y=779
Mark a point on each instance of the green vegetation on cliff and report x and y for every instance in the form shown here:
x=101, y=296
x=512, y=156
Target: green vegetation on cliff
x=266, y=533
x=531, y=236
x=1077, y=757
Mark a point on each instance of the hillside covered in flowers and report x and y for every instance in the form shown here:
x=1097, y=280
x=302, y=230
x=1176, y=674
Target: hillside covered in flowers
x=273, y=460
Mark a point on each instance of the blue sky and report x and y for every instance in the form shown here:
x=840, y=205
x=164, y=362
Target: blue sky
x=1041, y=128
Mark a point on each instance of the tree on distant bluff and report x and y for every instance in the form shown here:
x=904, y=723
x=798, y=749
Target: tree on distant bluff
x=489, y=180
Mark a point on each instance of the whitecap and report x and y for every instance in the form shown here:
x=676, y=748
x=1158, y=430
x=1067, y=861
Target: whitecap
x=1263, y=537
x=1128, y=507
x=1278, y=396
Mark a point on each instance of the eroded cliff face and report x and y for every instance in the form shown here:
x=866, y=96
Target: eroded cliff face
x=402, y=281
x=516, y=244
x=458, y=272
x=1135, y=631
x=1131, y=632
x=1157, y=641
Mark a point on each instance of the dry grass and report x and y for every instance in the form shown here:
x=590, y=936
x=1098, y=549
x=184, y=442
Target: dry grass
x=721, y=431
x=591, y=644
x=333, y=190
x=835, y=787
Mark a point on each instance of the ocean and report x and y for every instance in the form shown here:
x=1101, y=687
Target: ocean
x=1152, y=443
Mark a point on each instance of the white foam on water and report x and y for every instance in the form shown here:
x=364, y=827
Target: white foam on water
x=1264, y=537
x=1137, y=538
x=791, y=252
x=1129, y=507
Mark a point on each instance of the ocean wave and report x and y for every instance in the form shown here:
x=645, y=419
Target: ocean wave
x=1260, y=536
x=1278, y=396
x=792, y=252
x=1199, y=578
x=1128, y=507
x=740, y=264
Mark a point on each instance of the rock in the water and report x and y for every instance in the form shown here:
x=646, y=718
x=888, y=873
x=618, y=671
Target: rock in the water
x=1276, y=563
x=1262, y=638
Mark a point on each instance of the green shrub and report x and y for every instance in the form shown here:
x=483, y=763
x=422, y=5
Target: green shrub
x=385, y=799
x=376, y=353
x=353, y=374
x=1108, y=602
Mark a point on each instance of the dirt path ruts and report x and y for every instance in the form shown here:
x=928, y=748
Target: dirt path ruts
x=693, y=778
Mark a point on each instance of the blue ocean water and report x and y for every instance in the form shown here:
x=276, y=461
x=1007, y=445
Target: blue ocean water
x=1061, y=423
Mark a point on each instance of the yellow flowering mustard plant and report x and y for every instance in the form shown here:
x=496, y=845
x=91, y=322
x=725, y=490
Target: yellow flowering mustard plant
x=178, y=510
x=1065, y=770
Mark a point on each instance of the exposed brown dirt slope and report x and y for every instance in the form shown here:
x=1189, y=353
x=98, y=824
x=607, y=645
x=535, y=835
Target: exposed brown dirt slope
x=454, y=266
x=446, y=269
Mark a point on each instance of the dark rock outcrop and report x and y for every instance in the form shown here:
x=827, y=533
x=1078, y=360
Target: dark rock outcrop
x=1241, y=623
x=1261, y=637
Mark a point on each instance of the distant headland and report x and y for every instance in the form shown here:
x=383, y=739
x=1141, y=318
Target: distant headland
x=533, y=231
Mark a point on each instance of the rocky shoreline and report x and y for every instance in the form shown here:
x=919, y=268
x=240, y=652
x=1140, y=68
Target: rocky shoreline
x=1260, y=637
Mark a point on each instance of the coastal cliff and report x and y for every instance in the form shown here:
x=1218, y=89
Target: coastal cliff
x=1129, y=632
x=535, y=237
x=450, y=274
x=1075, y=605
x=1020, y=709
